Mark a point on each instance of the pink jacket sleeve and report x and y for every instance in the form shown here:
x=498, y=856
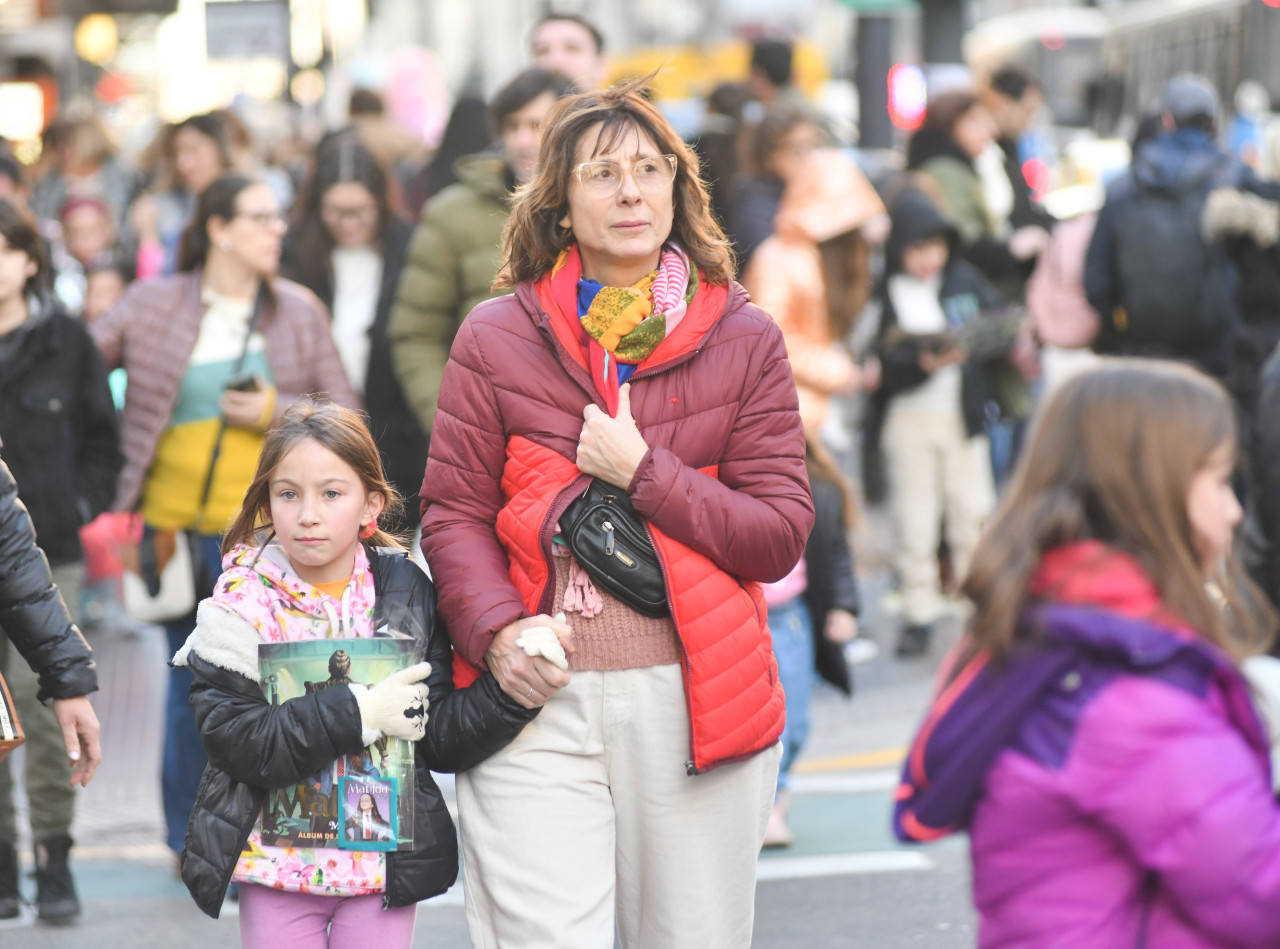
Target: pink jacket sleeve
x=1179, y=784
x=754, y=518
x=462, y=496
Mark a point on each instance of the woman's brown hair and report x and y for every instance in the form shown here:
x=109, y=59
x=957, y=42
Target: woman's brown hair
x=338, y=429
x=1111, y=459
x=218, y=200
x=821, y=465
x=846, y=276
x=948, y=109
x=533, y=237
x=778, y=122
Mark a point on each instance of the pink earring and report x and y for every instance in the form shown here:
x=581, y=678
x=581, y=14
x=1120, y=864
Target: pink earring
x=368, y=530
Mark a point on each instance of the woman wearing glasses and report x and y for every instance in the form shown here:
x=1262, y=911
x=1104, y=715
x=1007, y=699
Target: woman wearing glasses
x=213, y=354
x=348, y=247
x=639, y=795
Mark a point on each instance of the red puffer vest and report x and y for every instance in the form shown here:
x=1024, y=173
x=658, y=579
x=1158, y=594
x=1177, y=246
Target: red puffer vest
x=723, y=487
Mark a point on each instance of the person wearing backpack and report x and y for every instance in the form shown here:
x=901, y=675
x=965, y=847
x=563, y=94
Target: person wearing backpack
x=1160, y=288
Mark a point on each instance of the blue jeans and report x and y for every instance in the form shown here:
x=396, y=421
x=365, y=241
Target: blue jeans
x=792, y=632
x=183, y=761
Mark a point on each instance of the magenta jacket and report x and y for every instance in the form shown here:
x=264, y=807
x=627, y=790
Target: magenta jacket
x=1114, y=779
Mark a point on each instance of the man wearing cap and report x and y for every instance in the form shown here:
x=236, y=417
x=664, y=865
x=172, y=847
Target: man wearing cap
x=1159, y=287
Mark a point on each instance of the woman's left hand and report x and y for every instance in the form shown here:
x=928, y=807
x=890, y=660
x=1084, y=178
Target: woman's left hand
x=611, y=449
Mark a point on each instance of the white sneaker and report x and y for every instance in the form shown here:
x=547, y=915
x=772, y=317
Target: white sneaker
x=860, y=651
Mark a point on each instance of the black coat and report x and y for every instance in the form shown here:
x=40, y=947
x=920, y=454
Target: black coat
x=914, y=218
x=1265, y=490
x=61, y=433
x=828, y=561
x=254, y=746
x=32, y=613
x=395, y=428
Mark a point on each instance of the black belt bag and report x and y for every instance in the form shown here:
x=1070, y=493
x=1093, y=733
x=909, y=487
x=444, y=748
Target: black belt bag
x=609, y=540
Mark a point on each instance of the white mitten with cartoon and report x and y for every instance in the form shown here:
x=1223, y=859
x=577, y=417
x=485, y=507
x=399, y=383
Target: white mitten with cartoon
x=396, y=706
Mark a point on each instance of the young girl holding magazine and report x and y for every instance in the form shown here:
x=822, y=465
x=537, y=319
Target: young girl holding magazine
x=1095, y=735
x=305, y=560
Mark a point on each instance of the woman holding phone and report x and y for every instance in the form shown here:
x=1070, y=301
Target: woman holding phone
x=214, y=354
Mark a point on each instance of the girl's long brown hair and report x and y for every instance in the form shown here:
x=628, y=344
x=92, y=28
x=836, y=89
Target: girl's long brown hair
x=338, y=429
x=1112, y=458
x=533, y=237
x=846, y=276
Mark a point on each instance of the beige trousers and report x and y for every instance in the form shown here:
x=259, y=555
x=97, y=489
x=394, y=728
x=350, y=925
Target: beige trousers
x=589, y=811
x=936, y=472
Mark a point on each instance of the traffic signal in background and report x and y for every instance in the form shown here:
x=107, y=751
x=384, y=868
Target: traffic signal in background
x=908, y=95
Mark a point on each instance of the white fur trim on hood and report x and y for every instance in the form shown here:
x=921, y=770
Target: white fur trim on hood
x=224, y=639
x=1229, y=211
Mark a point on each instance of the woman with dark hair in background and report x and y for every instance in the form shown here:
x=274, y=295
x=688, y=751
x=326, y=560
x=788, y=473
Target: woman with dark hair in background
x=467, y=133
x=83, y=164
x=194, y=152
x=718, y=143
x=778, y=147
x=957, y=129
x=62, y=444
x=214, y=353
x=348, y=248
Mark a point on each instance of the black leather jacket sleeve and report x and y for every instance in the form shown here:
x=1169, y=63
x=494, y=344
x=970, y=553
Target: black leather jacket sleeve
x=32, y=613
x=265, y=745
x=464, y=726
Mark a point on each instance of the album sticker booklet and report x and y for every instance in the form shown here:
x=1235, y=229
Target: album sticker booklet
x=362, y=801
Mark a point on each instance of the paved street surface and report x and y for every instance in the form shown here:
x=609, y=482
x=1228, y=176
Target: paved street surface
x=844, y=883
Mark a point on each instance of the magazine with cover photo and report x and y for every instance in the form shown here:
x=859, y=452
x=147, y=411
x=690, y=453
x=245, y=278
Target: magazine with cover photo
x=312, y=813
x=368, y=810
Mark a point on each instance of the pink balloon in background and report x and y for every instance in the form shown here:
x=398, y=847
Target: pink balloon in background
x=416, y=94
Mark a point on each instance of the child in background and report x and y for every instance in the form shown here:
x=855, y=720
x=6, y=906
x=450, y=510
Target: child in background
x=813, y=612
x=105, y=282
x=305, y=559
x=933, y=402
x=1095, y=735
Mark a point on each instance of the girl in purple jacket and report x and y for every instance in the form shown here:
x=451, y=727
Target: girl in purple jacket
x=1094, y=734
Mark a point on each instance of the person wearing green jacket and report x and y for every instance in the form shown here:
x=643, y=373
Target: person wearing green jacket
x=453, y=257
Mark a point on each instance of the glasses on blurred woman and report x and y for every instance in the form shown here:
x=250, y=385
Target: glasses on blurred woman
x=263, y=219
x=603, y=179
x=334, y=214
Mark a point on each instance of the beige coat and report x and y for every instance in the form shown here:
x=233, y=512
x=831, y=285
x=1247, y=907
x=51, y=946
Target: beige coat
x=785, y=276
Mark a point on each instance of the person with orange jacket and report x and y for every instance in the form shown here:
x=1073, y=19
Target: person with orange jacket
x=625, y=354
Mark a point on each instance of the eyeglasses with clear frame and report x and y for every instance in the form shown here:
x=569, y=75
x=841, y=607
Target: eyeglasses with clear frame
x=603, y=179
x=361, y=214
x=263, y=219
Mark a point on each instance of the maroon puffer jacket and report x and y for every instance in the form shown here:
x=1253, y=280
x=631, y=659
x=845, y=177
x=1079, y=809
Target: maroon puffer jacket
x=727, y=402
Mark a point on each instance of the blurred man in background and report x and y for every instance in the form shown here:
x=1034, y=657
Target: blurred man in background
x=455, y=250
x=567, y=44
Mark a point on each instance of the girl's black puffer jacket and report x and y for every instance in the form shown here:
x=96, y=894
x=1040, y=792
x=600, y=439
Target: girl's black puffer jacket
x=253, y=746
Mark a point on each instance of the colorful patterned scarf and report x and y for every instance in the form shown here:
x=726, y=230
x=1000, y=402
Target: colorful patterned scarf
x=630, y=322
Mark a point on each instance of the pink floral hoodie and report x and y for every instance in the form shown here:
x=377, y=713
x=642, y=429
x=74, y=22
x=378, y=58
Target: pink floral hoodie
x=263, y=590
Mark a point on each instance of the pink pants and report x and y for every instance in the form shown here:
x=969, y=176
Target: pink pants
x=272, y=919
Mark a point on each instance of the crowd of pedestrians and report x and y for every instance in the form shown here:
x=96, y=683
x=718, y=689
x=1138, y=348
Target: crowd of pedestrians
x=630, y=396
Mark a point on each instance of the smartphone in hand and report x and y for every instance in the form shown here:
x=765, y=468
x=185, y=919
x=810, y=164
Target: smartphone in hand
x=243, y=382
